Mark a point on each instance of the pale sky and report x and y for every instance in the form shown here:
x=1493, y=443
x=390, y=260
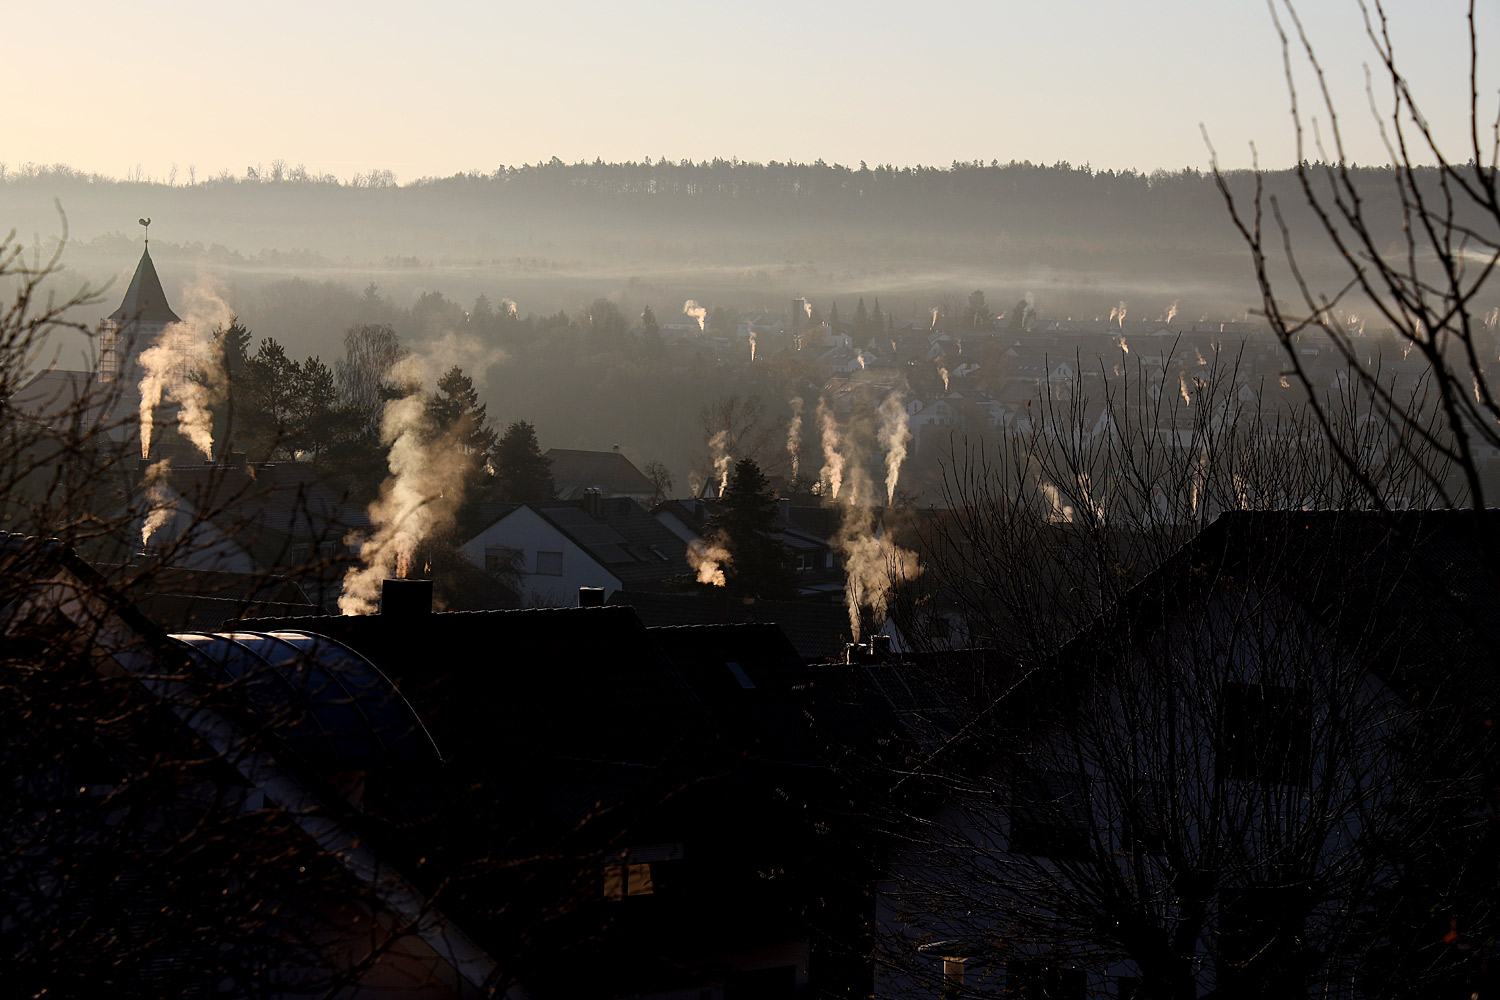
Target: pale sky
x=446, y=86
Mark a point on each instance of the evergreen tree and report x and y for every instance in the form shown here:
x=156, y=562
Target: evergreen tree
x=977, y=315
x=877, y=320
x=745, y=524
x=315, y=412
x=267, y=402
x=522, y=472
x=833, y=317
x=861, y=320
x=458, y=415
x=652, y=346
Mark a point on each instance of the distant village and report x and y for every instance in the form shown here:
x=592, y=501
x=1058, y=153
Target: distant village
x=851, y=714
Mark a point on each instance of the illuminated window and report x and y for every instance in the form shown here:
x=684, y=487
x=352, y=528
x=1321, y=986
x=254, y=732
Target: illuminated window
x=627, y=880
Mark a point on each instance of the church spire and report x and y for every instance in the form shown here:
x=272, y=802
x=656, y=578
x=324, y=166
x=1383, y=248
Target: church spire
x=144, y=302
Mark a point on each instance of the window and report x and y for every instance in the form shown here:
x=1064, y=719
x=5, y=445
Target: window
x=501, y=559
x=1050, y=814
x=1265, y=734
x=549, y=563
x=628, y=880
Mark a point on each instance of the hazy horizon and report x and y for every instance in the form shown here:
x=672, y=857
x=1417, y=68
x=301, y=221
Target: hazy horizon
x=459, y=87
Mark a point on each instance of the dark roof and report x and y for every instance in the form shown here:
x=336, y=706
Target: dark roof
x=622, y=537
x=576, y=471
x=144, y=301
x=1411, y=590
x=753, y=683
x=500, y=685
x=816, y=631
x=287, y=498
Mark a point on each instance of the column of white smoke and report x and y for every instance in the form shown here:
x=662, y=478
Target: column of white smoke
x=708, y=559
x=832, y=472
x=807, y=307
x=895, y=434
x=794, y=434
x=1058, y=512
x=718, y=445
x=180, y=351
x=944, y=372
x=873, y=565
x=509, y=305
x=693, y=309
x=426, y=481
x=752, y=346
x=161, y=500
x=1172, y=310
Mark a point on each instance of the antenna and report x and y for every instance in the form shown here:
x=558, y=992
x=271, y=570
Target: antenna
x=147, y=224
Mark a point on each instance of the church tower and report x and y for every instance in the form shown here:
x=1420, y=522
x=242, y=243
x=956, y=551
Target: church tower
x=134, y=326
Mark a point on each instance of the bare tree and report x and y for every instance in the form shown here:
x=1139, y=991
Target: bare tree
x=1425, y=269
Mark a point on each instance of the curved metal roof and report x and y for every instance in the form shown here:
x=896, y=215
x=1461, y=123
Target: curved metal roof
x=331, y=705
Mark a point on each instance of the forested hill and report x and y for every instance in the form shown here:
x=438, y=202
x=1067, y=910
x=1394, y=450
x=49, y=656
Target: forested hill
x=667, y=210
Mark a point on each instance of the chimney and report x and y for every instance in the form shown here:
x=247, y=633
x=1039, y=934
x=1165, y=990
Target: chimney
x=880, y=648
x=784, y=508
x=617, y=449
x=857, y=652
x=591, y=597
x=405, y=598
x=591, y=499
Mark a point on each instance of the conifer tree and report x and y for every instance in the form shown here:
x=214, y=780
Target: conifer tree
x=522, y=472
x=745, y=524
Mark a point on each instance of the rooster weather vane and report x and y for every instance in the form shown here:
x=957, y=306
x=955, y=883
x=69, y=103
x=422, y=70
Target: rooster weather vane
x=147, y=224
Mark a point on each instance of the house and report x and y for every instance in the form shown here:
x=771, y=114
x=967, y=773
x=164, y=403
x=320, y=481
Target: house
x=555, y=802
x=260, y=521
x=671, y=771
x=1270, y=770
x=805, y=531
x=559, y=546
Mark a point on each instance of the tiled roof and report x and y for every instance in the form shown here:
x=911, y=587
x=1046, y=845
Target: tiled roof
x=575, y=471
x=817, y=631
x=623, y=537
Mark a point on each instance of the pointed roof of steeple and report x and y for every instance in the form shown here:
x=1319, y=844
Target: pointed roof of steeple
x=145, y=302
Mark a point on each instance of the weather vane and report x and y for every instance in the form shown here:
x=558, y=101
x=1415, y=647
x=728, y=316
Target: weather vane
x=147, y=224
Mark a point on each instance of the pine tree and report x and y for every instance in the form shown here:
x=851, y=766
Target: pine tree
x=652, y=346
x=745, y=524
x=457, y=414
x=522, y=472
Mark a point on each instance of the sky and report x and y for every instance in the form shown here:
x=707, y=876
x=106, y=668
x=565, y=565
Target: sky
x=447, y=86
